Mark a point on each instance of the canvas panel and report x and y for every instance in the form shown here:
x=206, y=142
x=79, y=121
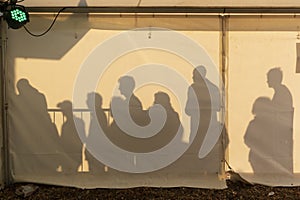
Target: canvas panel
x=62, y=133
x=263, y=98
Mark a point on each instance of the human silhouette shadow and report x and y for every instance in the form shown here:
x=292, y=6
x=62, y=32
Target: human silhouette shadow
x=203, y=105
x=163, y=134
x=270, y=134
x=282, y=102
x=259, y=136
x=162, y=137
x=172, y=125
x=34, y=137
x=71, y=155
x=126, y=87
x=204, y=98
x=97, y=118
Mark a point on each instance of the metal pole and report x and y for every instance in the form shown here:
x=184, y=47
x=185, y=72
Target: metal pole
x=4, y=105
x=224, y=92
x=166, y=9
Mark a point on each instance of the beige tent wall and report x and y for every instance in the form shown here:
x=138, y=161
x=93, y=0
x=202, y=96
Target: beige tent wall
x=262, y=120
x=50, y=66
x=257, y=45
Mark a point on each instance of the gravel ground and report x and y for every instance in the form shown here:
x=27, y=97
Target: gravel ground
x=235, y=190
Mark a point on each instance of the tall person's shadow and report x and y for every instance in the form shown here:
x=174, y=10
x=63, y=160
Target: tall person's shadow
x=274, y=123
x=34, y=135
x=203, y=105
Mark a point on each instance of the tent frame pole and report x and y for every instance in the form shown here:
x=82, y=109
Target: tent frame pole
x=165, y=9
x=4, y=104
x=224, y=89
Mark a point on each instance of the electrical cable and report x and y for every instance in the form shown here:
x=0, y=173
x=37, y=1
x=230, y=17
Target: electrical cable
x=45, y=32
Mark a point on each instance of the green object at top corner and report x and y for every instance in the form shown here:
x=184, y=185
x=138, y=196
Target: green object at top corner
x=18, y=15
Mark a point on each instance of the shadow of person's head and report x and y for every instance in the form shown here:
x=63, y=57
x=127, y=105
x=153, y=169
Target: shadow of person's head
x=262, y=106
x=126, y=85
x=274, y=77
x=162, y=99
x=24, y=86
x=94, y=100
x=66, y=108
x=199, y=73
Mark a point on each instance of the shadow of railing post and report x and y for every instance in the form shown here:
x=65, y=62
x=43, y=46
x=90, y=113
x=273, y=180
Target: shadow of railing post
x=53, y=112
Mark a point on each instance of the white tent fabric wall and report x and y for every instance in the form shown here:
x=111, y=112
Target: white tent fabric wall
x=261, y=121
x=263, y=98
x=42, y=73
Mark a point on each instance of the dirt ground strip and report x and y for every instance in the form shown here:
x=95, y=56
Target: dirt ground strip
x=235, y=190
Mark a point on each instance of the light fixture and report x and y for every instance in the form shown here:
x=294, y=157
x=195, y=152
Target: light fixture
x=15, y=15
